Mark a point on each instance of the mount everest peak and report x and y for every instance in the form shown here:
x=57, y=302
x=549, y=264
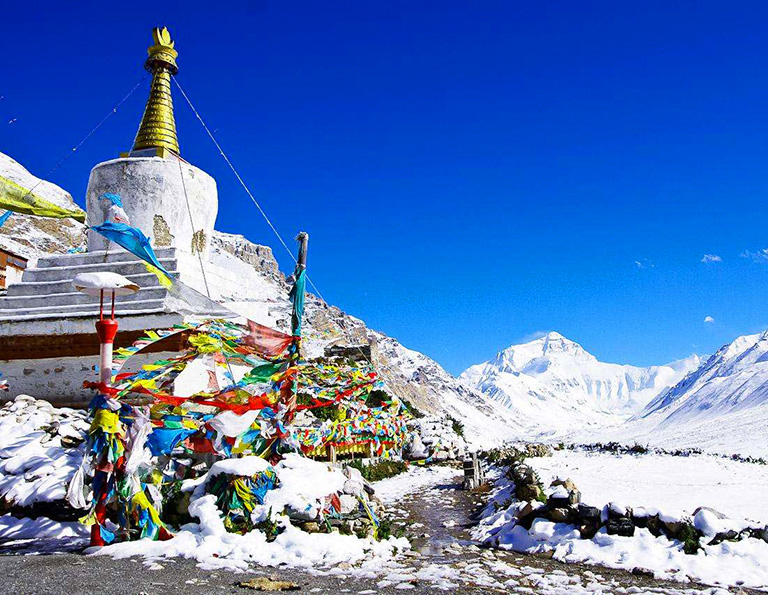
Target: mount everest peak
x=554, y=384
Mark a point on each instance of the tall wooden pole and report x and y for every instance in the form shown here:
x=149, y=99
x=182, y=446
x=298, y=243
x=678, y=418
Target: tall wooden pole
x=291, y=395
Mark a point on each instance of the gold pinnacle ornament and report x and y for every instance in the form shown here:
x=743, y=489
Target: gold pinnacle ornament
x=158, y=126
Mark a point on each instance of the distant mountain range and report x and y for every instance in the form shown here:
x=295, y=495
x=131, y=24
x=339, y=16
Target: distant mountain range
x=554, y=385
x=722, y=406
x=558, y=390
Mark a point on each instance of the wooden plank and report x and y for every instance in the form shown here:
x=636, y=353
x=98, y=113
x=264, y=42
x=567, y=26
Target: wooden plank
x=80, y=345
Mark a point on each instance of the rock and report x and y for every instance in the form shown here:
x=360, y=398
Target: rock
x=529, y=492
x=415, y=449
x=717, y=513
x=654, y=525
x=730, y=535
x=524, y=510
x=299, y=515
x=559, y=515
x=310, y=527
x=349, y=504
x=672, y=528
x=620, y=526
x=588, y=513
x=568, y=484
x=353, y=474
x=563, y=501
x=589, y=530
x=353, y=488
x=440, y=455
x=262, y=583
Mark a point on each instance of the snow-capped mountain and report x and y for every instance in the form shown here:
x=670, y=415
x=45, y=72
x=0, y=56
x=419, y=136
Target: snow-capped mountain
x=555, y=385
x=722, y=406
x=32, y=237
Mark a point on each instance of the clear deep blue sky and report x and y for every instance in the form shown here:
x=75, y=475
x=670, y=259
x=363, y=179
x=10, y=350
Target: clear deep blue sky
x=471, y=173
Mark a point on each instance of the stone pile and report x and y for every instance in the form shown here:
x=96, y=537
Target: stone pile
x=561, y=503
x=347, y=512
x=434, y=438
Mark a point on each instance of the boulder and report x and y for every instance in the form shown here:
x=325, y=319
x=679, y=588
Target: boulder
x=349, y=504
x=559, y=515
x=621, y=526
x=588, y=513
x=525, y=510
x=310, y=527
x=672, y=528
x=528, y=492
x=653, y=524
x=568, y=484
x=415, y=449
x=729, y=535
x=560, y=500
x=353, y=487
x=716, y=513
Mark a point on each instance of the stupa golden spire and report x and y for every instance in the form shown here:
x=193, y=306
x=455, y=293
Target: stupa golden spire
x=158, y=126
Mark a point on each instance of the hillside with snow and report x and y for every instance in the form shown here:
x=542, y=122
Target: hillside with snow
x=720, y=407
x=32, y=237
x=553, y=385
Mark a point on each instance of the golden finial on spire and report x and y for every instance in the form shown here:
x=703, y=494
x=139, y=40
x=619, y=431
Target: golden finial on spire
x=158, y=126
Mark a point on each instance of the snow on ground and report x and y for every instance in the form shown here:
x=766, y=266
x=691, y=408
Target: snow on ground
x=729, y=563
x=40, y=528
x=34, y=464
x=677, y=485
x=672, y=487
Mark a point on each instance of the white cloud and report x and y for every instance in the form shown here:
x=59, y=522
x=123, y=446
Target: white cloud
x=711, y=258
x=759, y=256
x=532, y=336
x=709, y=319
x=644, y=264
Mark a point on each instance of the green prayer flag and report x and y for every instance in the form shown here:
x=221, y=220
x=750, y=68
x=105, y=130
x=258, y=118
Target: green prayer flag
x=18, y=199
x=262, y=373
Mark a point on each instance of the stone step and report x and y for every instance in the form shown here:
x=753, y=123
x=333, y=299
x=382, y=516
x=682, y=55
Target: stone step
x=143, y=280
x=64, y=273
x=78, y=309
x=114, y=255
x=72, y=297
x=11, y=324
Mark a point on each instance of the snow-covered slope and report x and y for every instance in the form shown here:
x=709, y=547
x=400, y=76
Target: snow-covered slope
x=722, y=406
x=32, y=237
x=553, y=384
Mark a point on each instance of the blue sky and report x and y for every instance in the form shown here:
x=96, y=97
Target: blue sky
x=470, y=173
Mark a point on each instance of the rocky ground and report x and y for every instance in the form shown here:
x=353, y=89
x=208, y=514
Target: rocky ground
x=436, y=516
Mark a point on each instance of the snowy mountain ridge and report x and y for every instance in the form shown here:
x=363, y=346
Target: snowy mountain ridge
x=554, y=383
x=32, y=237
x=722, y=406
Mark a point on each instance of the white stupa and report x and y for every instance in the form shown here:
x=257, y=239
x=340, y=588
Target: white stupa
x=47, y=339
